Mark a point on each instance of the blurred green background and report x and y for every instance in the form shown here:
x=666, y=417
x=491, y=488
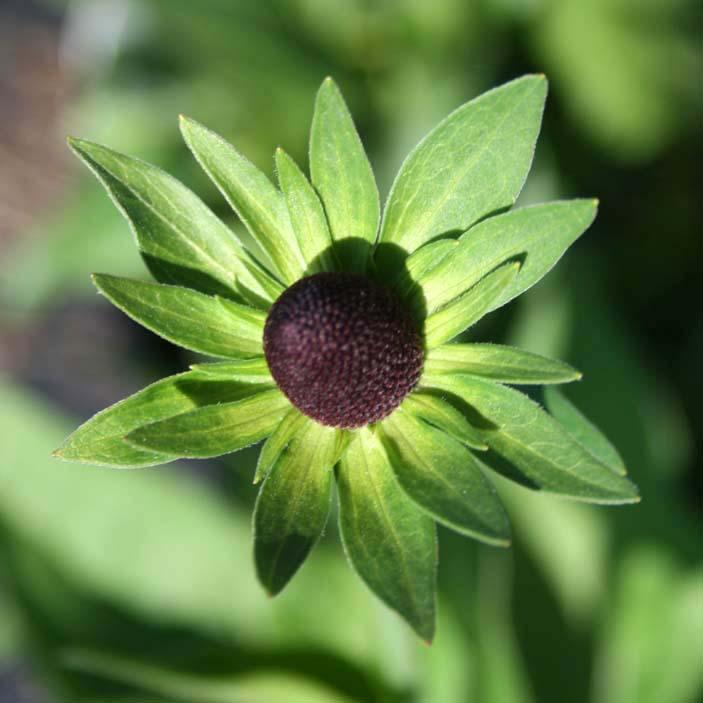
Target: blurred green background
x=138, y=586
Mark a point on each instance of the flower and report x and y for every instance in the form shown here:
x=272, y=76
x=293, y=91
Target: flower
x=336, y=331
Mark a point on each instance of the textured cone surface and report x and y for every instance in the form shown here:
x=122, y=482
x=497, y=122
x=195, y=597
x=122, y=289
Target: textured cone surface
x=342, y=348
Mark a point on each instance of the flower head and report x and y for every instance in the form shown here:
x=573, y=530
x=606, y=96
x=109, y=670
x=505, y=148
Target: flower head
x=334, y=332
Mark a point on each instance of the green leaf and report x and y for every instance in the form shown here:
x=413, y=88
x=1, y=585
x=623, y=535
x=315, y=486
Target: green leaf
x=390, y=543
x=306, y=215
x=439, y=412
x=193, y=320
x=277, y=441
x=583, y=430
x=215, y=429
x=178, y=235
x=539, y=233
x=443, y=478
x=99, y=441
x=536, y=444
x=293, y=504
x=498, y=363
x=254, y=370
x=261, y=686
x=447, y=323
x=342, y=175
x=251, y=195
x=472, y=164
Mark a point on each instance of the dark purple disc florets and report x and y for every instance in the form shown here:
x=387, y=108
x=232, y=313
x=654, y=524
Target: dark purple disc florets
x=342, y=348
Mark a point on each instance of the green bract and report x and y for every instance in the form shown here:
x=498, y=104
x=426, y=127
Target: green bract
x=450, y=253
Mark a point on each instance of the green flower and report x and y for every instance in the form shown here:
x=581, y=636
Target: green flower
x=334, y=327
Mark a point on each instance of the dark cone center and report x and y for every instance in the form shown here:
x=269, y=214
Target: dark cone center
x=342, y=348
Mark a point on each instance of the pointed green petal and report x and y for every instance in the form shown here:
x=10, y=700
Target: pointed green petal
x=293, y=504
x=420, y=263
x=254, y=370
x=306, y=215
x=583, y=430
x=439, y=412
x=540, y=234
x=443, y=478
x=278, y=441
x=472, y=164
x=449, y=321
x=99, y=441
x=180, y=239
x=185, y=317
x=252, y=196
x=391, y=544
x=342, y=175
x=498, y=363
x=537, y=445
x=215, y=429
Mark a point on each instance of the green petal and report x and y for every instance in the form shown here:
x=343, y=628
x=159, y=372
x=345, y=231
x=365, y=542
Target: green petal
x=343, y=177
x=254, y=370
x=180, y=239
x=583, y=430
x=498, y=363
x=277, y=441
x=472, y=164
x=390, y=543
x=447, y=323
x=443, y=478
x=418, y=264
x=306, y=215
x=438, y=411
x=99, y=441
x=193, y=320
x=215, y=429
x=539, y=234
x=537, y=445
x=293, y=504
x=251, y=195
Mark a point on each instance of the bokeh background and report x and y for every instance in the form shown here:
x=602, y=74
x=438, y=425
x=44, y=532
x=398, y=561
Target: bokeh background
x=138, y=587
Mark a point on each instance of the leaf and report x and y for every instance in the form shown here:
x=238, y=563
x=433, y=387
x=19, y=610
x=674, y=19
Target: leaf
x=215, y=429
x=471, y=165
x=536, y=444
x=180, y=238
x=583, y=430
x=342, y=174
x=293, y=504
x=390, y=543
x=498, y=363
x=254, y=370
x=306, y=215
x=443, y=478
x=445, y=417
x=99, y=441
x=539, y=233
x=447, y=323
x=187, y=318
x=251, y=195
x=277, y=441
x=261, y=686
